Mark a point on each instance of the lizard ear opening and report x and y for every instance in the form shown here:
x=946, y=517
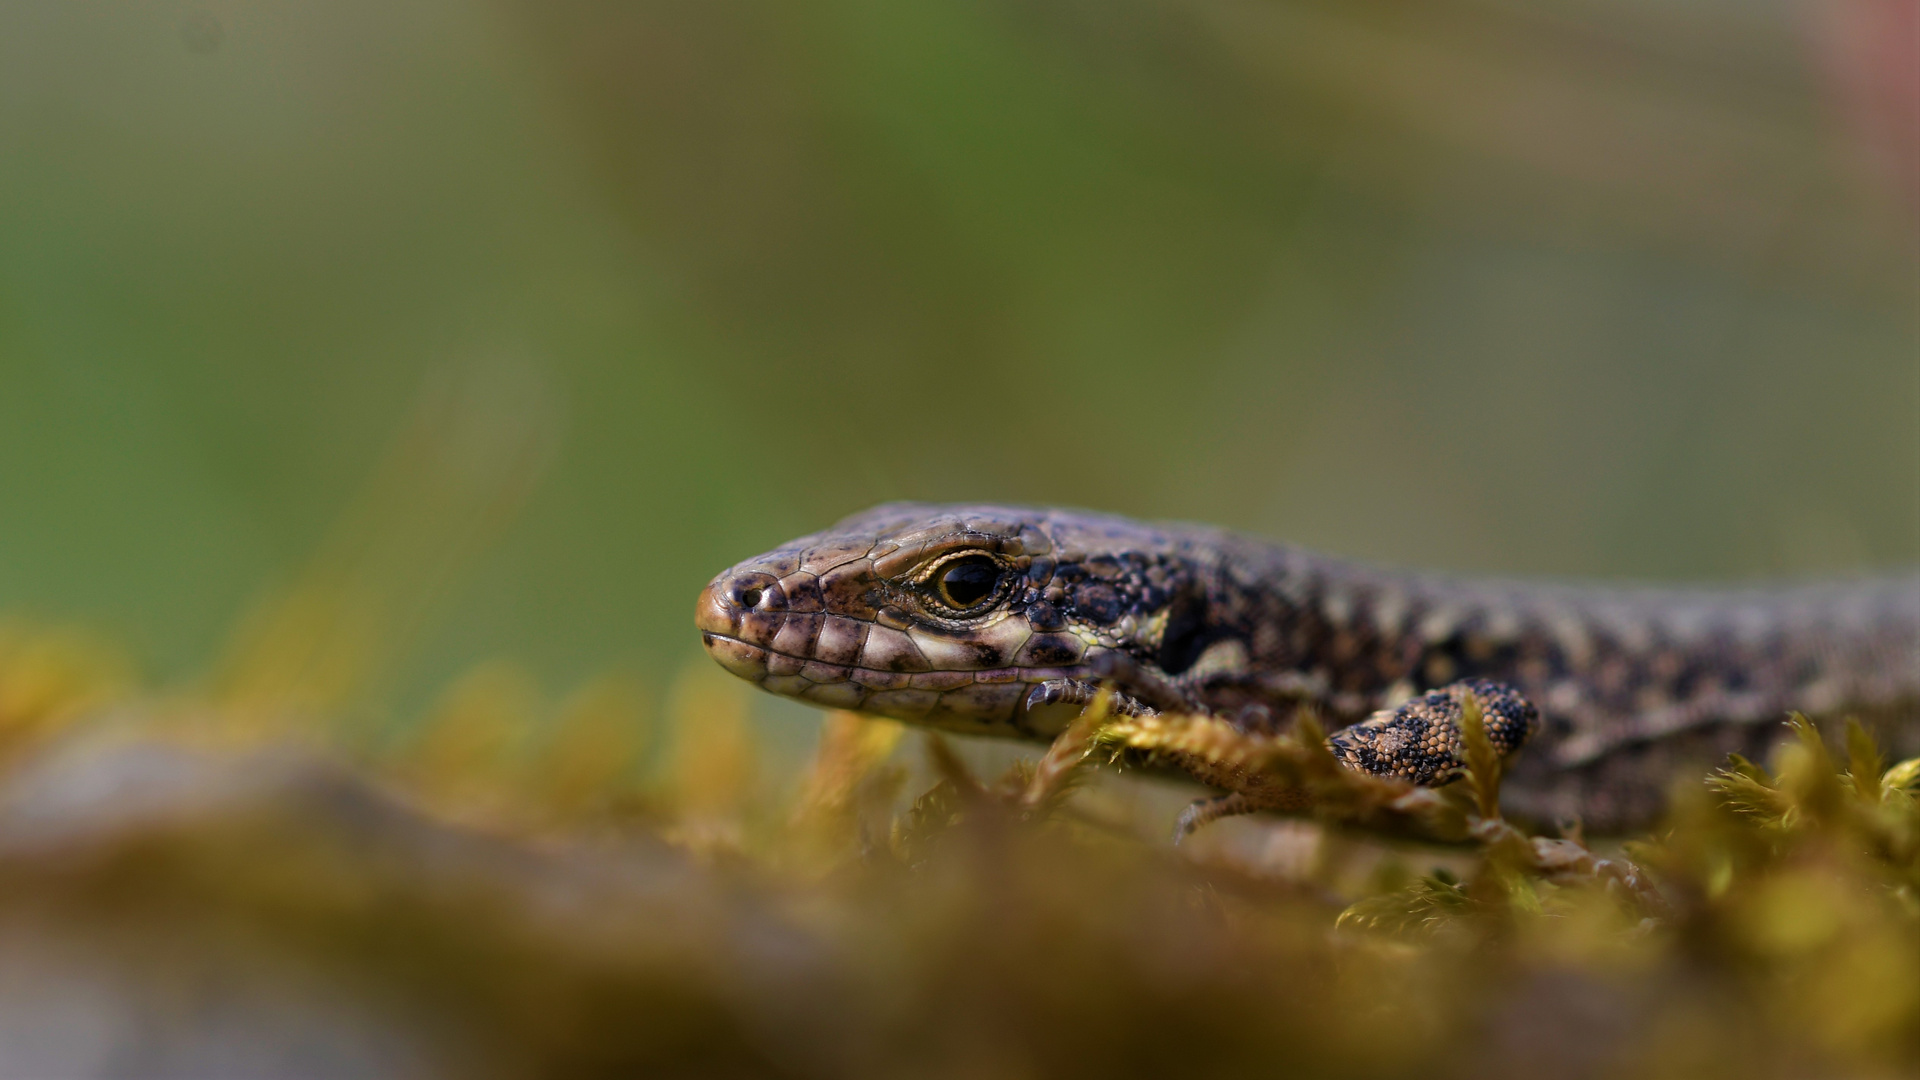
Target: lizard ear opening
x=1187, y=635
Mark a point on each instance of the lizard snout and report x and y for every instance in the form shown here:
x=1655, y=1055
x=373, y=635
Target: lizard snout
x=738, y=614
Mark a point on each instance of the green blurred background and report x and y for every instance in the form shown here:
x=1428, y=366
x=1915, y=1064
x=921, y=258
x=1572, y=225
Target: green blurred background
x=1573, y=287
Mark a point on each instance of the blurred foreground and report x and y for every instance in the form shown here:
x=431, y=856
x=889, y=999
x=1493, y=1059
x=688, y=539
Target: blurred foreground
x=204, y=889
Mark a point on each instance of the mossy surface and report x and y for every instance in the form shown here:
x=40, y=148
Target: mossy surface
x=204, y=883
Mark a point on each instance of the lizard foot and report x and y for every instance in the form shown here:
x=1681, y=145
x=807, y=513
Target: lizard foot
x=1204, y=812
x=1420, y=741
x=1052, y=705
x=1143, y=686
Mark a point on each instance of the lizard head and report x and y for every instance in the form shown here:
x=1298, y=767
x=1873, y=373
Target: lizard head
x=950, y=616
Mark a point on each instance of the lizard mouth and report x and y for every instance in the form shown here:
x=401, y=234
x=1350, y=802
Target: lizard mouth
x=986, y=699
x=750, y=661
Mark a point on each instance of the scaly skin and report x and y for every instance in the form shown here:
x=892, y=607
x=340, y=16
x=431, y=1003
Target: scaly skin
x=1633, y=687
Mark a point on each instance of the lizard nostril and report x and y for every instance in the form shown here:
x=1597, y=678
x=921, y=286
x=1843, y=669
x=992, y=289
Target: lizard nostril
x=748, y=605
x=754, y=592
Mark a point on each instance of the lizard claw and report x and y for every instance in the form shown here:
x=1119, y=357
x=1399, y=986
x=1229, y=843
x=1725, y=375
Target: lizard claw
x=1074, y=695
x=1203, y=812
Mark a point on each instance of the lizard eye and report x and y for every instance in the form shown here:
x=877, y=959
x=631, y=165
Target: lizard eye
x=963, y=583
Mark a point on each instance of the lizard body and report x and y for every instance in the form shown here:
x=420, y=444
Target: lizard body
x=1002, y=620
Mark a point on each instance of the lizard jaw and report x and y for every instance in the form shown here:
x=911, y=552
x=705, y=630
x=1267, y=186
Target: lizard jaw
x=988, y=702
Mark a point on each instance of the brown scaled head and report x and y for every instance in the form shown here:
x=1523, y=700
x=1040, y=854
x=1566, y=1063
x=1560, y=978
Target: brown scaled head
x=941, y=615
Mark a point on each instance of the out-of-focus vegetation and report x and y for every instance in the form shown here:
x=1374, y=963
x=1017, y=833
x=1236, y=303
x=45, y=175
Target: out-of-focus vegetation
x=1595, y=287
x=531, y=888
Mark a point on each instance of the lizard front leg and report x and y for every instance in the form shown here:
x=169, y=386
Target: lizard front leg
x=1132, y=690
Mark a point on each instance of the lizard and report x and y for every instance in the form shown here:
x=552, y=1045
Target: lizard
x=1009, y=621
